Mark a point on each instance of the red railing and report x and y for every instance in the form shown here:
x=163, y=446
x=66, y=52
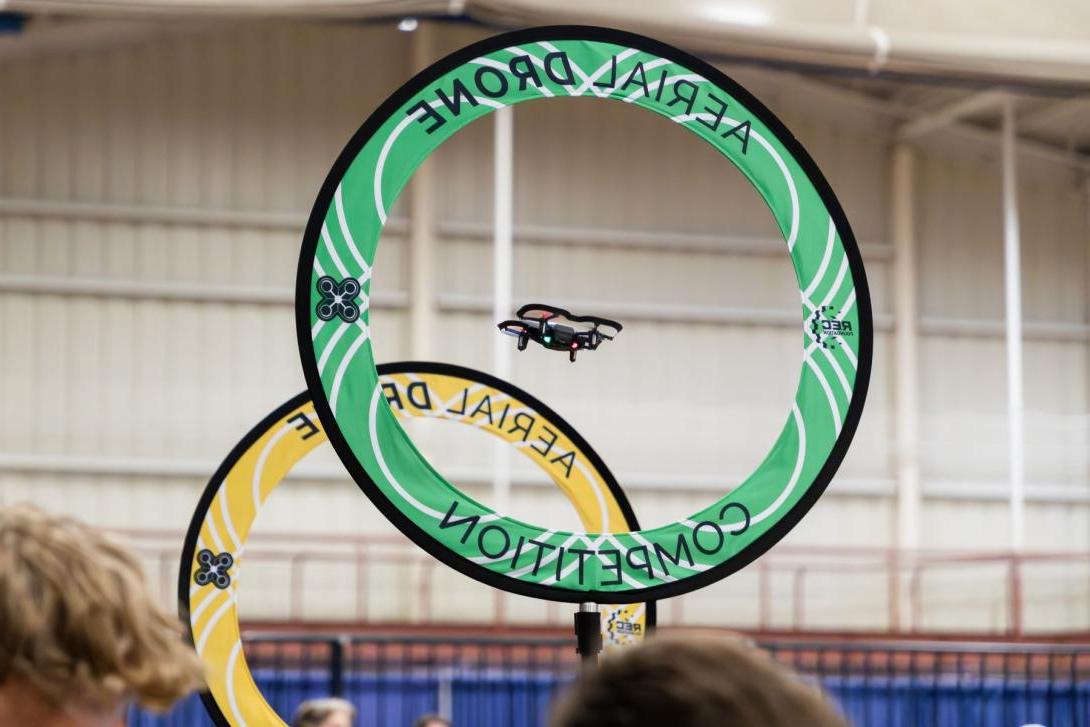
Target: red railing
x=909, y=605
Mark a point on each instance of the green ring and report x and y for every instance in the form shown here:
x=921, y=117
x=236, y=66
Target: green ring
x=341, y=240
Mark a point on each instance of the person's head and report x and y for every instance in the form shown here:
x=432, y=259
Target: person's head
x=329, y=712
x=431, y=720
x=80, y=636
x=708, y=680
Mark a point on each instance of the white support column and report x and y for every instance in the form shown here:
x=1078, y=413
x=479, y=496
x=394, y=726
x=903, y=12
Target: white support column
x=906, y=326
x=1086, y=244
x=502, y=273
x=503, y=235
x=906, y=332
x=1013, y=284
x=422, y=280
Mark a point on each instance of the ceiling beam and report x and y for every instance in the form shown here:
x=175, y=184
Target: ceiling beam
x=50, y=36
x=1029, y=147
x=1056, y=111
x=949, y=114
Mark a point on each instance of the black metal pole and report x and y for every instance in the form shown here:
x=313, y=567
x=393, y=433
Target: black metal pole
x=336, y=667
x=588, y=634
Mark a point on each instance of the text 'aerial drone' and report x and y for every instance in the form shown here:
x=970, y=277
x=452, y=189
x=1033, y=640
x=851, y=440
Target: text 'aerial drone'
x=558, y=330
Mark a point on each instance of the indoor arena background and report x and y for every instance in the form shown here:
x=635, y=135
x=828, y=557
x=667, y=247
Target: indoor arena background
x=158, y=161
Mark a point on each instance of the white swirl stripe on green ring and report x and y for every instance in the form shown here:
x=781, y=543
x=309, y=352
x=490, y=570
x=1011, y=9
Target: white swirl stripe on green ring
x=342, y=238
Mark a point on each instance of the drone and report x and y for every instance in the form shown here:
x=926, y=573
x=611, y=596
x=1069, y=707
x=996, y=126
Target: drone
x=558, y=330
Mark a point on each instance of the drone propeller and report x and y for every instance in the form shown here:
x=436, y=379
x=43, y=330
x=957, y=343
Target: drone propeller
x=540, y=311
x=513, y=328
x=607, y=328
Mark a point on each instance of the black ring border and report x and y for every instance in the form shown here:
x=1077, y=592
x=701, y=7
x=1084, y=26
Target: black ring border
x=314, y=384
x=262, y=428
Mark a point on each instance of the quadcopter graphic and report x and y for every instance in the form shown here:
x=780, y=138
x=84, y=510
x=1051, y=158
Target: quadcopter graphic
x=558, y=330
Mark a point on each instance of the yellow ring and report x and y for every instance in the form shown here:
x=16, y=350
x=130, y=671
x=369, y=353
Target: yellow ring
x=259, y=463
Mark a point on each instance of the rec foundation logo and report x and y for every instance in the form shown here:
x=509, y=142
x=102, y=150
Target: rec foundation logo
x=826, y=328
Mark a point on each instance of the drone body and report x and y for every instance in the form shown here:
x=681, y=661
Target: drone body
x=558, y=330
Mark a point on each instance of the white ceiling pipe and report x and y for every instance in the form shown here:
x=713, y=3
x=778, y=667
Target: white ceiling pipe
x=751, y=31
x=754, y=30
x=239, y=8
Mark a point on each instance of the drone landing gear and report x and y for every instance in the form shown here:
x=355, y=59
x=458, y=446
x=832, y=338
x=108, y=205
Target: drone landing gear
x=571, y=355
x=524, y=340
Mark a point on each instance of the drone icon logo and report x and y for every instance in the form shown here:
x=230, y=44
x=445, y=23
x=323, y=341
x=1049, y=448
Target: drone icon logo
x=213, y=568
x=824, y=327
x=338, y=299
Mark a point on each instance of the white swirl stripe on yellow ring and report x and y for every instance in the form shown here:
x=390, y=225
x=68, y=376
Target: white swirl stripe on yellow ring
x=265, y=456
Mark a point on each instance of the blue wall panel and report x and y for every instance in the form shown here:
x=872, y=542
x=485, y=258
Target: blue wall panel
x=521, y=699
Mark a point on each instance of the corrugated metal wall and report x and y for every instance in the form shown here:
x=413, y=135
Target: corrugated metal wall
x=152, y=197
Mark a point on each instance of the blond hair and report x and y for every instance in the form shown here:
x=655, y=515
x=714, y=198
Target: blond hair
x=706, y=680
x=313, y=712
x=77, y=622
